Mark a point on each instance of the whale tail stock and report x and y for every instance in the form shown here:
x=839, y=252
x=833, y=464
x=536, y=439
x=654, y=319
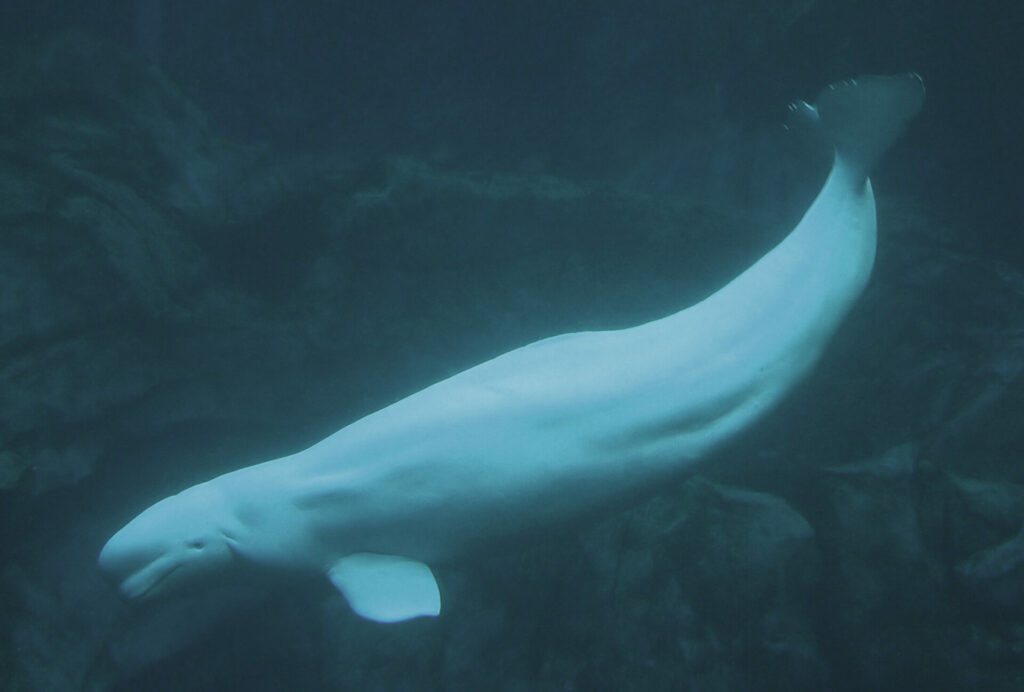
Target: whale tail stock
x=862, y=117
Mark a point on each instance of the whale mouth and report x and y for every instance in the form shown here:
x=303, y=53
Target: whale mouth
x=143, y=583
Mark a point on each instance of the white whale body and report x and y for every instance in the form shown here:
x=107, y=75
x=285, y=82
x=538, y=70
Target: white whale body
x=546, y=432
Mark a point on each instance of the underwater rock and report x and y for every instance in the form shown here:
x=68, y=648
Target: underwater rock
x=748, y=564
x=108, y=177
x=951, y=370
x=982, y=513
x=755, y=541
x=998, y=502
x=992, y=538
x=886, y=598
x=687, y=591
x=995, y=576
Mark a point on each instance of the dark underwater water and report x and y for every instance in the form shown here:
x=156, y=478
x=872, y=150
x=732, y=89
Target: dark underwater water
x=229, y=228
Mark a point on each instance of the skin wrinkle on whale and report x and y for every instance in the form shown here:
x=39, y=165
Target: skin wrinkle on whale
x=546, y=433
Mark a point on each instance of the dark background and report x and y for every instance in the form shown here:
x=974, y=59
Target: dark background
x=594, y=89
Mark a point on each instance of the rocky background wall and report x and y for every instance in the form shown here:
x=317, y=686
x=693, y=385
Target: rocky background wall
x=185, y=290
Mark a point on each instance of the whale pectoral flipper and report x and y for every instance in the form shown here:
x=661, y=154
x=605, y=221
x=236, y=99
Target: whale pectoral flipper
x=386, y=588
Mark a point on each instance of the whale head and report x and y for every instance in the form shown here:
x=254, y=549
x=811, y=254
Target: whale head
x=176, y=543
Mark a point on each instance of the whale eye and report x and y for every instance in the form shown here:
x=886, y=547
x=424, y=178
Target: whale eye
x=197, y=544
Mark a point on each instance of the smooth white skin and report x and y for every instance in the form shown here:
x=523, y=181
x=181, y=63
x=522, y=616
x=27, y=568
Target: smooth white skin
x=539, y=435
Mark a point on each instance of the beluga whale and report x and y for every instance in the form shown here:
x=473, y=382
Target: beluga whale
x=555, y=430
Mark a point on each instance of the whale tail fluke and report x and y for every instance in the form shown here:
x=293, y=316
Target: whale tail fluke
x=863, y=117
